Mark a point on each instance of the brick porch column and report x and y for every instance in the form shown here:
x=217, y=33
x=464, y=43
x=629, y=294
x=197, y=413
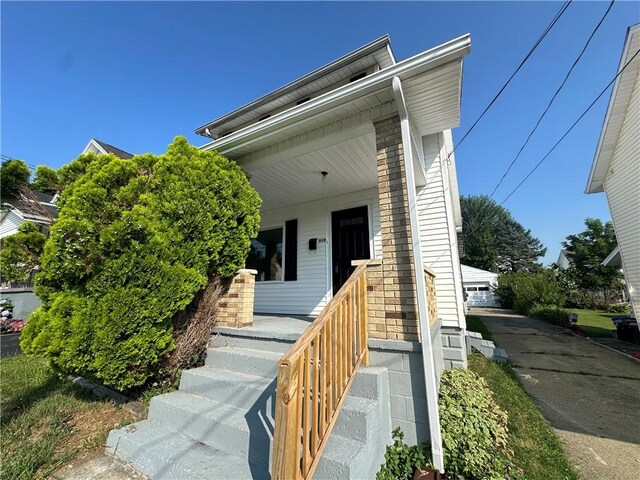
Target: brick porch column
x=235, y=308
x=399, y=303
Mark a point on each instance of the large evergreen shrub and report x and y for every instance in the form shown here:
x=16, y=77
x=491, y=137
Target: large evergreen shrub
x=522, y=291
x=134, y=243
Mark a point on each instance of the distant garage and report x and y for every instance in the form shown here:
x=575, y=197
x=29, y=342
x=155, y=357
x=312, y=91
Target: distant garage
x=477, y=284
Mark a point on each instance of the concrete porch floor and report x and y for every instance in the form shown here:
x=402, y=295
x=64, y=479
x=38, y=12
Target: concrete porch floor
x=271, y=326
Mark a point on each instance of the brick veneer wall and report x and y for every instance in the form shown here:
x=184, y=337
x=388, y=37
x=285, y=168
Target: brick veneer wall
x=235, y=307
x=393, y=312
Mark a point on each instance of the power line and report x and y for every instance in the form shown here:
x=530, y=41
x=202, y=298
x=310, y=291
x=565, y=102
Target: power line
x=555, y=95
x=571, y=128
x=535, y=46
x=559, y=141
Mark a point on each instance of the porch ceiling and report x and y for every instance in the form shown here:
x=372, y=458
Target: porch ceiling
x=297, y=178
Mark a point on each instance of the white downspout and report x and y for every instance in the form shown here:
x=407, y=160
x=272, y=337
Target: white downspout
x=430, y=381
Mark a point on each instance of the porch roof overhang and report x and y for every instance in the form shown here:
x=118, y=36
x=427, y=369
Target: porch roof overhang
x=432, y=81
x=616, y=112
x=614, y=259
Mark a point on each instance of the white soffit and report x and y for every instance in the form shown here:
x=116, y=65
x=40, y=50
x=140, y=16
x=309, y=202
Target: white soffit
x=616, y=111
x=443, y=61
x=350, y=166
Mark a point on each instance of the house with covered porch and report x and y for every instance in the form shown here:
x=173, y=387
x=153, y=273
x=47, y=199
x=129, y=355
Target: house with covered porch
x=351, y=302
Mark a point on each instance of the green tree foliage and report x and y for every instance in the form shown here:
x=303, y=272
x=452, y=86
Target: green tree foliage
x=46, y=180
x=493, y=240
x=14, y=174
x=523, y=291
x=21, y=253
x=586, y=251
x=134, y=243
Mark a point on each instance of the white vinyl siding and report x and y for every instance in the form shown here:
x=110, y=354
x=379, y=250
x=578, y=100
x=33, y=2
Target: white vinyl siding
x=438, y=237
x=622, y=187
x=312, y=290
x=10, y=224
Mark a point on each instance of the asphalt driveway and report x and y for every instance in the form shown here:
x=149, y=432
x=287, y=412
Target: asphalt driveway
x=589, y=395
x=9, y=345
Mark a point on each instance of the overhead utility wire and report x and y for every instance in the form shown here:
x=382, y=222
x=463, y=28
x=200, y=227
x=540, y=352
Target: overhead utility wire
x=555, y=95
x=535, y=46
x=571, y=128
x=477, y=227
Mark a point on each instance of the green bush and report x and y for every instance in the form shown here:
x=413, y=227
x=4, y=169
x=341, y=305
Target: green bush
x=618, y=308
x=402, y=460
x=522, y=291
x=551, y=314
x=584, y=299
x=474, y=428
x=134, y=242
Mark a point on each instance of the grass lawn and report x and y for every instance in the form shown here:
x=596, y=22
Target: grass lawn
x=595, y=323
x=537, y=451
x=474, y=324
x=46, y=420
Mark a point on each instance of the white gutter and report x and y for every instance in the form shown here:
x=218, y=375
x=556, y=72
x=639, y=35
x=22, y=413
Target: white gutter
x=430, y=381
x=427, y=60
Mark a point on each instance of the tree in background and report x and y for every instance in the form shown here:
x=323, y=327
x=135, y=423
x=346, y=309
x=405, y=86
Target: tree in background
x=586, y=251
x=14, y=175
x=493, y=240
x=46, y=180
x=20, y=254
x=135, y=245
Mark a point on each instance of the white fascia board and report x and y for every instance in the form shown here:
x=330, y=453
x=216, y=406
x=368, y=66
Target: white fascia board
x=96, y=145
x=614, y=256
x=378, y=81
x=596, y=185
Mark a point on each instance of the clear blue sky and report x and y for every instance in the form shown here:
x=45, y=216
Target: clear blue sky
x=137, y=74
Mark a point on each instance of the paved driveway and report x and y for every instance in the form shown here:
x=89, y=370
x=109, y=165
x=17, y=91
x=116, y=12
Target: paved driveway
x=9, y=345
x=589, y=395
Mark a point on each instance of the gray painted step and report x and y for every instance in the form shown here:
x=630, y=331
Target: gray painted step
x=341, y=461
x=244, y=360
x=238, y=389
x=165, y=455
x=244, y=341
x=222, y=426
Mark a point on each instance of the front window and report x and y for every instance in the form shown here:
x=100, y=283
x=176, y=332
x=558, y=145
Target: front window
x=265, y=255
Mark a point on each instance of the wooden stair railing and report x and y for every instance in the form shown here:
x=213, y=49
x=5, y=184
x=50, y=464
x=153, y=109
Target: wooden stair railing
x=313, y=379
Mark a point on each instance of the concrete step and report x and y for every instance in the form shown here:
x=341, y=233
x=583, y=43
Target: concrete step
x=240, y=432
x=166, y=455
x=236, y=338
x=238, y=389
x=342, y=460
x=244, y=360
x=358, y=440
x=500, y=355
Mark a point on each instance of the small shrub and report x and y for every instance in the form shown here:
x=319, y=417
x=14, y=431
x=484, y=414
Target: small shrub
x=524, y=290
x=618, y=308
x=474, y=428
x=551, y=314
x=402, y=460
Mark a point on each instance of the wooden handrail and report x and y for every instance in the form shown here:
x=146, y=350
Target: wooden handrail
x=314, y=377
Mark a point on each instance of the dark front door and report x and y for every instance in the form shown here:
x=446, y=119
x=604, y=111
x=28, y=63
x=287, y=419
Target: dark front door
x=350, y=241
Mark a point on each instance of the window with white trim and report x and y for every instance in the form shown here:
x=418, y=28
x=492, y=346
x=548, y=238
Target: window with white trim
x=265, y=255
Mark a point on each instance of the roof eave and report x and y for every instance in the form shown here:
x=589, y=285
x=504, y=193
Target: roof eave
x=369, y=48
x=432, y=58
x=596, y=184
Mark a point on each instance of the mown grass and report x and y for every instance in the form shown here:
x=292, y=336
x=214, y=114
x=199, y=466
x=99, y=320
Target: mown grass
x=595, y=323
x=537, y=450
x=46, y=420
x=474, y=324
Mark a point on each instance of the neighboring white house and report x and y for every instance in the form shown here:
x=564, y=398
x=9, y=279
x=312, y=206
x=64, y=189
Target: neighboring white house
x=478, y=284
x=616, y=166
x=101, y=148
